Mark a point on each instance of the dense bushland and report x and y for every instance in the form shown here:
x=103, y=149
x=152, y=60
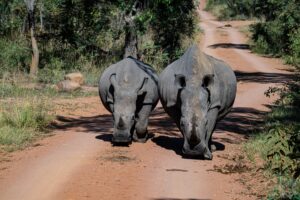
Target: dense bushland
x=49, y=38
x=279, y=142
x=232, y=9
x=84, y=34
x=277, y=33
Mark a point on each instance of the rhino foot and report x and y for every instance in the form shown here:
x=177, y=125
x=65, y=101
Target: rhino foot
x=140, y=138
x=213, y=148
x=208, y=155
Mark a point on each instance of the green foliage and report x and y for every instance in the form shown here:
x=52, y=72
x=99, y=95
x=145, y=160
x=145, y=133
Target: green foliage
x=8, y=90
x=21, y=123
x=232, y=9
x=14, y=55
x=33, y=115
x=172, y=21
x=69, y=30
x=12, y=139
x=278, y=31
x=294, y=56
x=287, y=189
x=279, y=143
x=282, y=143
x=279, y=34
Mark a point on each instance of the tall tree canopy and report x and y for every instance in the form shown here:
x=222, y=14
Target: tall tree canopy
x=99, y=30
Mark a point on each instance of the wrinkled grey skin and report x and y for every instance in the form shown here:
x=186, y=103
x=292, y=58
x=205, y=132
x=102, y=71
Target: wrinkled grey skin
x=128, y=89
x=197, y=90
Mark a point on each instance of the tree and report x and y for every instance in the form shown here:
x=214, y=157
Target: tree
x=30, y=4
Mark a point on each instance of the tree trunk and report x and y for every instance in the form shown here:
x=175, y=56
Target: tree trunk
x=131, y=38
x=35, y=55
x=35, y=51
x=131, y=46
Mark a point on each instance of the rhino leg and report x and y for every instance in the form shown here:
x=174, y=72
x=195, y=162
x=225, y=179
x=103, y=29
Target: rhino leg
x=212, y=116
x=140, y=133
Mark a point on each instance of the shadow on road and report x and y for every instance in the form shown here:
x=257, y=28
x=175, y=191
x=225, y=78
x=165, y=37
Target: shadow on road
x=229, y=46
x=260, y=77
x=93, y=124
x=240, y=120
x=177, y=199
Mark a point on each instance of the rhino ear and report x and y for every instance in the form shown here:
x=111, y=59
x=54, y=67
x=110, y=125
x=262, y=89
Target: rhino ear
x=142, y=89
x=207, y=80
x=112, y=88
x=113, y=81
x=110, y=95
x=180, y=81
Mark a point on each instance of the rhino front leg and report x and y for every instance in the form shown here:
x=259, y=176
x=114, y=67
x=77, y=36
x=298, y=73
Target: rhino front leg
x=212, y=118
x=140, y=133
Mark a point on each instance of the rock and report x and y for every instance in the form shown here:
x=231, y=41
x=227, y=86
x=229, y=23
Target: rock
x=68, y=86
x=75, y=77
x=53, y=86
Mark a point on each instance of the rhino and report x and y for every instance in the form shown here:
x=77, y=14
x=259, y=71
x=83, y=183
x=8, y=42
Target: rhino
x=129, y=90
x=196, y=91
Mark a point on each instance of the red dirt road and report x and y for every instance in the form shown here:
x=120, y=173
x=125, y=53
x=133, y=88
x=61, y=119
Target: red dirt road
x=79, y=162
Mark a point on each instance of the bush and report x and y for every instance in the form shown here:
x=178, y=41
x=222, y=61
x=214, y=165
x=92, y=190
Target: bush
x=14, y=55
x=279, y=145
x=32, y=115
x=232, y=9
x=21, y=123
x=294, y=57
x=278, y=34
x=287, y=189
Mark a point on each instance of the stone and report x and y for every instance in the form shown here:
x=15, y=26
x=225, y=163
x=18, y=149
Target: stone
x=68, y=86
x=76, y=77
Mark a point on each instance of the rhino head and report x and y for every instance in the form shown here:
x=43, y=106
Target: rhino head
x=124, y=108
x=195, y=101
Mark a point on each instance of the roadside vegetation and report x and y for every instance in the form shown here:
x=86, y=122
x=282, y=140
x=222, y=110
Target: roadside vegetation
x=42, y=41
x=23, y=123
x=275, y=33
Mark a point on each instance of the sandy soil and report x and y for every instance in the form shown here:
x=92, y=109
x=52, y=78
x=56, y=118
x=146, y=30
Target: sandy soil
x=79, y=162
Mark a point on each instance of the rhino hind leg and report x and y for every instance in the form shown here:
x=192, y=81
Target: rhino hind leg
x=140, y=133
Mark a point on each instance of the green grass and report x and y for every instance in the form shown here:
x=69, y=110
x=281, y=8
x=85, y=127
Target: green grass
x=277, y=145
x=22, y=122
x=8, y=90
x=12, y=139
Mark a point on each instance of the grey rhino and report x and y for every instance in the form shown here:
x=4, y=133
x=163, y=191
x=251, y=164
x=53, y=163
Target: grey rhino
x=128, y=89
x=197, y=90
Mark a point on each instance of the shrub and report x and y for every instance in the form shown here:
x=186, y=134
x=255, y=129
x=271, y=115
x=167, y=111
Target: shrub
x=14, y=55
x=21, y=123
x=286, y=189
x=294, y=57
x=232, y=9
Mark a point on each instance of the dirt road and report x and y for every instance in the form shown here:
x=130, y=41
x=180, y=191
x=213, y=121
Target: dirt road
x=79, y=162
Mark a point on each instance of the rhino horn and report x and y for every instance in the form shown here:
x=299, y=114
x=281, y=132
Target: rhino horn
x=121, y=123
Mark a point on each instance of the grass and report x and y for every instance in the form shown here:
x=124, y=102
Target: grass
x=276, y=145
x=23, y=122
x=8, y=90
x=25, y=108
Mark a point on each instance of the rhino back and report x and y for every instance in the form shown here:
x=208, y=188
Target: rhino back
x=227, y=85
x=129, y=74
